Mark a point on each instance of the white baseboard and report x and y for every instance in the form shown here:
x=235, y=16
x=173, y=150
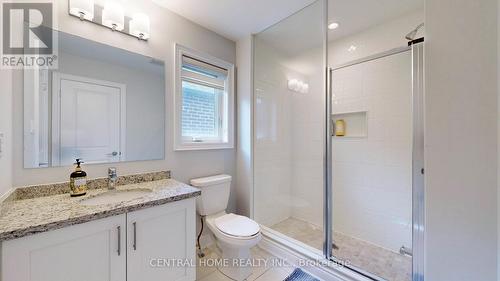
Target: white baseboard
x=309, y=261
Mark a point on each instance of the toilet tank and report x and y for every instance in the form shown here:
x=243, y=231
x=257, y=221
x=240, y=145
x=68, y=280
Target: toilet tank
x=214, y=194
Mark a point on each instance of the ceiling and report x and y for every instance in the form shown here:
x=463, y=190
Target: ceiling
x=294, y=35
x=356, y=15
x=235, y=19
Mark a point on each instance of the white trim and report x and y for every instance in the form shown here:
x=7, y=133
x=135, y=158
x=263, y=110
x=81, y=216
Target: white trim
x=55, y=159
x=6, y=195
x=252, y=126
x=229, y=100
x=298, y=255
x=56, y=111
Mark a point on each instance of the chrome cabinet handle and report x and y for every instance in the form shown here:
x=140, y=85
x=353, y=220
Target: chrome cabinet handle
x=134, y=245
x=119, y=250
x=114, y=153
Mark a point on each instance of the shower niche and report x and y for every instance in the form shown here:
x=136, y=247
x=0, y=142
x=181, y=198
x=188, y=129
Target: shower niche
x=355, y=124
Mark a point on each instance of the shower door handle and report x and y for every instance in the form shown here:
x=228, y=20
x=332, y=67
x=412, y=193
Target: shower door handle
x=332, y=127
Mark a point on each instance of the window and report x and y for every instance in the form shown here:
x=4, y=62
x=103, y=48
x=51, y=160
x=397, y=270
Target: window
x=203, y=101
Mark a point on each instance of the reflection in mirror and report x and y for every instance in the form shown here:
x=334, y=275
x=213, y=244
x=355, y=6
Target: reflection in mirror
x=102, y=104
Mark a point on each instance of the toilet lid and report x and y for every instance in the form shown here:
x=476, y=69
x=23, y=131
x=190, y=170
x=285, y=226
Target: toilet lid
x=236, y=225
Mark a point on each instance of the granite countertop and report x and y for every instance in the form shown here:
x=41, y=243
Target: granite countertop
x=19, y=218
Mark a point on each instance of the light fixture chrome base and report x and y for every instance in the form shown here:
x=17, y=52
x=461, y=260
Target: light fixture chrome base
x=98, y=20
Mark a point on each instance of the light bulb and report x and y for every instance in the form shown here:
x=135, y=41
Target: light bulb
x=305, y=88
x=84, y=9
x=139, y=26
x=292, y=84
x=113, y=16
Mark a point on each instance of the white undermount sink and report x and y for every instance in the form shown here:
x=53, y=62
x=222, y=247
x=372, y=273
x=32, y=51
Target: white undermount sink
x=115, y=196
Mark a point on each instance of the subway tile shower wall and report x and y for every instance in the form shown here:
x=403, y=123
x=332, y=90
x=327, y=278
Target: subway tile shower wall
x=372, y=182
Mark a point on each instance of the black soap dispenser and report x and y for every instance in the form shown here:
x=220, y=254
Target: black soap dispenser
x=78, y=181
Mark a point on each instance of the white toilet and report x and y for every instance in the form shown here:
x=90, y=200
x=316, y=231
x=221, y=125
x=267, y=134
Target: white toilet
x=234, y=234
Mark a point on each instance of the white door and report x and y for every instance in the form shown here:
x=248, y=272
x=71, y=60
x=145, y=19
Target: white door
x=93, y=251
x=89, y=121
x=165, y=232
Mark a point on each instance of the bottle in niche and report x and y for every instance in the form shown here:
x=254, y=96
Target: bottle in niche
x=78, y=181
x=340, y=128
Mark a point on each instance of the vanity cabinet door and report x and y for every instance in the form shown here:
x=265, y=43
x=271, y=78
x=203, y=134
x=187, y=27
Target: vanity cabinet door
x=159, y=235
x=93, y=251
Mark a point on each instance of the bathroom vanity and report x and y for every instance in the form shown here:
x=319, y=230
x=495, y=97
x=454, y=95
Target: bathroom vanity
x=130, y=233
x=100, y=237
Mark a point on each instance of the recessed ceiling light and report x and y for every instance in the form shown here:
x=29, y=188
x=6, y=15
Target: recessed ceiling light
x=333, y=25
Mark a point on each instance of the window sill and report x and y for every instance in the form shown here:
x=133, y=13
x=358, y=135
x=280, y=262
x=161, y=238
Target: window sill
x=202, y=146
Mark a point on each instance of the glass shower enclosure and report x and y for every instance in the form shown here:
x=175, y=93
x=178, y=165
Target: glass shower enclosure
x=338, y=149
x=289, y=126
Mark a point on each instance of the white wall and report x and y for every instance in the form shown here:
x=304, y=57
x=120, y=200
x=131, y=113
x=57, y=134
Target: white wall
x=167, y=28
x=244, y=127
x=6, y=129
x=461, y=140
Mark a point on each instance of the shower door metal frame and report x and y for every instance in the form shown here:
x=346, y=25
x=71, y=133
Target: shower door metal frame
x=327, y=163
x=417, y=52
x=418, y=163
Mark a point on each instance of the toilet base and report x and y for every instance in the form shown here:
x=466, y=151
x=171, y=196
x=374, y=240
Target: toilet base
x=238, y=265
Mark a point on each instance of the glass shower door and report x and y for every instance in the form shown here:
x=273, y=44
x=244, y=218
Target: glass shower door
x=289, y=127
x=376, y=161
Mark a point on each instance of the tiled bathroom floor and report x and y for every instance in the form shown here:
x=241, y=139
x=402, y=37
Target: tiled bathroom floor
x=378, y=261
x=260, y=273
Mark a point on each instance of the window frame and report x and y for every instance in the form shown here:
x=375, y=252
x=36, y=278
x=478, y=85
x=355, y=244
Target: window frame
x=225, y=104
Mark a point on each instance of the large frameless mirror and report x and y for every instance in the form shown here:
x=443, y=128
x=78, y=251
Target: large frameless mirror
x=102, y=104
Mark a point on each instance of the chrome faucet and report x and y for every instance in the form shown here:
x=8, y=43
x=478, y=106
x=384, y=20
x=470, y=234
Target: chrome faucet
x=112, y=178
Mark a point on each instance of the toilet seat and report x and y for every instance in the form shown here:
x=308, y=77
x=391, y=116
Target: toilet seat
x=237, y=226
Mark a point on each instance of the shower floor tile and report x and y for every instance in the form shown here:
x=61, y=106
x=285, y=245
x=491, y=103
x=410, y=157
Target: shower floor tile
x=376, y=260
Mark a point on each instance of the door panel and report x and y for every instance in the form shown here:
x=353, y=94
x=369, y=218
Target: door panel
x=90, y=122
x=160, y=233
x=85, y=252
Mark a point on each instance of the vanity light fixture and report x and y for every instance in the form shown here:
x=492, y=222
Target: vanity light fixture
x=84, y=9
x=298, y=86
x=113, y=17
x=139, y=26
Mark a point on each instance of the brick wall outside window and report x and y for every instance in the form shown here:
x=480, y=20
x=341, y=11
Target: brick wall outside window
x=198, y=112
